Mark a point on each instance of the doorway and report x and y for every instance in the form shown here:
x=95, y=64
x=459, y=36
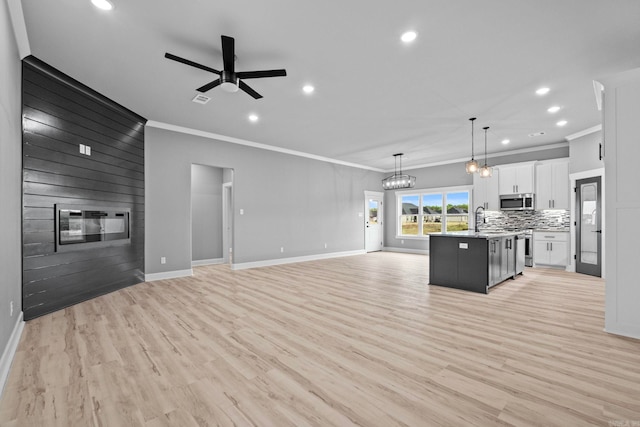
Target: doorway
x=589, y=226
x=373, y=221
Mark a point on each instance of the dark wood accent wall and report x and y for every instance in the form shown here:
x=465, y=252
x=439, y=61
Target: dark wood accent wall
x=59, y=114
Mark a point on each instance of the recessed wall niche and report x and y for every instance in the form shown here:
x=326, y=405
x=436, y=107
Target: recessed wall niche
x=83, y=155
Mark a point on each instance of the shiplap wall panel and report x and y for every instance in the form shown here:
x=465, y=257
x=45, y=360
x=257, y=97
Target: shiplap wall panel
x=59, y=114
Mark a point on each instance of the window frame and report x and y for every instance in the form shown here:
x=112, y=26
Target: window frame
x=422, y=192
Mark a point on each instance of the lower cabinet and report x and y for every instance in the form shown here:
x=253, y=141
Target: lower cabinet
x=551, y=248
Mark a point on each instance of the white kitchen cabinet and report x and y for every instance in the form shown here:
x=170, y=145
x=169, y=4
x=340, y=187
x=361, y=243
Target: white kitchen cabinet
x=551, y=248
x=486, y=191
x=517, y=178
x=552, y=184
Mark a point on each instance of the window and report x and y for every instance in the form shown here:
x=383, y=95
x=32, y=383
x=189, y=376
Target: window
x=421, y=214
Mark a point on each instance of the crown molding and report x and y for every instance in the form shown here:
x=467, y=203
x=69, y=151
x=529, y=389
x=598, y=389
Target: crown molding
x=583, y=133
x=233, y=140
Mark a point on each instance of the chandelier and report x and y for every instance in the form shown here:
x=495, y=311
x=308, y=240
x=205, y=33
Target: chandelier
x=398, y=179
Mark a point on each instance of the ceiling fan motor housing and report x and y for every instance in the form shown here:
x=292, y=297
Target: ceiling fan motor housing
x=229, y=81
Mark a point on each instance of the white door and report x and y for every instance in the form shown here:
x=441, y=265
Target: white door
x=373, y=221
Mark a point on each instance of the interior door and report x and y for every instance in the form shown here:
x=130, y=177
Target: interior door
x=373, y=229
x=589, y=226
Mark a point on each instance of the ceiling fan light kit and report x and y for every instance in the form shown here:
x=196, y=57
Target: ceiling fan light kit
x=230, y=80
x=398, y=180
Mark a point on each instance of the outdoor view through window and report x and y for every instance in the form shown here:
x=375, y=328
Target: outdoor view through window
x=422, y=214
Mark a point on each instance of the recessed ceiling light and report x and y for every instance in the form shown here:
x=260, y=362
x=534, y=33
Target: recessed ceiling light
x=533, y=135
x=506, y=141
x=102, y=4
x=308, y=89
x=543, y=91
x=253, y=118
x=561, y=123
x=553, y=109
x=409, y=36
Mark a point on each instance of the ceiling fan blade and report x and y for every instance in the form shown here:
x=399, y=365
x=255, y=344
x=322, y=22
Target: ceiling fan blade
x=245, y=87
x=228, y=53
x=260, y=74
x=209, y=86
x=193, y=64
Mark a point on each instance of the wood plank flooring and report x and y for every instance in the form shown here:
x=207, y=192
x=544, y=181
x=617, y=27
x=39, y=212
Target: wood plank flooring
x=359, y=341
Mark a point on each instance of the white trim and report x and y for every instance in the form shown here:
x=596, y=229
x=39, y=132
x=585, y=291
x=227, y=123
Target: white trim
x=210, y=135
x=495, y=154
x=630, y=331
x=202, y=262
x=582, y=133
x=406, y=250
x=270, y=262
x=16, y=15
x=10, y=352
x=168, y=275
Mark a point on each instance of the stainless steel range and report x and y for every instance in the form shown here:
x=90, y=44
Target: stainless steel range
x=528, y=248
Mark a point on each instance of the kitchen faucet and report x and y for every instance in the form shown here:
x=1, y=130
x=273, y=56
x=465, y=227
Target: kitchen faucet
x=476, y=217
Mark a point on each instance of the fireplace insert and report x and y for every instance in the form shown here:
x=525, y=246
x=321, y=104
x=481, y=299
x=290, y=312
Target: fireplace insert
x=84, y=227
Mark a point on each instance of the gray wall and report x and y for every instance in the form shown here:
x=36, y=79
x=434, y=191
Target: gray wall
x=449, y=176
x=584, y=153
x=292, y=202
x=206, y=212
x=10, y=179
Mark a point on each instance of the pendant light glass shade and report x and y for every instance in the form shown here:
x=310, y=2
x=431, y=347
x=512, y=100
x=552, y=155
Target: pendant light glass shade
x=472, y=165
x=485, y=171
x=398, y=179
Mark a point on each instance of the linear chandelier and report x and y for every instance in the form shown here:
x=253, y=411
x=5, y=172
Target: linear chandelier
x=398, y=179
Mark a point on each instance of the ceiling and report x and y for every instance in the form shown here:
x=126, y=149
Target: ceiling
x=375, y=96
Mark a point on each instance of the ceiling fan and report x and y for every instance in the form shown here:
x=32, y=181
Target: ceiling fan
x=229, y=80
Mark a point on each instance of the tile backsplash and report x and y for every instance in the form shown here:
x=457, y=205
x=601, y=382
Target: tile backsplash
x=557, y=220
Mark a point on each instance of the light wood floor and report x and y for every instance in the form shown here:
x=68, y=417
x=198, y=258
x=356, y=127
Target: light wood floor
x=351, y=341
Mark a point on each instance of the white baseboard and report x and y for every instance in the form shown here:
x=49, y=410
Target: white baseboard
x=630, y=331
x=202, y=262
x=270, y=262
x=168, y=275
x=406, y=250
x=10, y=352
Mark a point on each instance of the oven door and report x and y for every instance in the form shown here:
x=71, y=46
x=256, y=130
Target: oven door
x=528, y=250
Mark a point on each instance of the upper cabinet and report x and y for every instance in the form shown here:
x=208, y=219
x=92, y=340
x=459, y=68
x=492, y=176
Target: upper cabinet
x=517, y=178
x=486, y=192
x=552, y=184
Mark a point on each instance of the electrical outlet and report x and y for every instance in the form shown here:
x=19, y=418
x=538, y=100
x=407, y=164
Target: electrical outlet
x=163, y=260
x=402, y=242
x=325, y=246
x=11, y=309
x=282, y=249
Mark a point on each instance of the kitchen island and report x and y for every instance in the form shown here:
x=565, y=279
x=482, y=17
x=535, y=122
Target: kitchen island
x=475, y=261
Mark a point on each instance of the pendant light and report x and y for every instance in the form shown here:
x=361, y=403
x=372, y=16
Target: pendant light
x=472, y=165
x=485, y=171
x=398, y=179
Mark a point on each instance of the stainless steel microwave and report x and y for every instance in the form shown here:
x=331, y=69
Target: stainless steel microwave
x=517, y=202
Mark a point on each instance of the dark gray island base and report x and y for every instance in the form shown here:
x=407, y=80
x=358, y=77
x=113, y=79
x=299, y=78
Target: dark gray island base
x=474, y=261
